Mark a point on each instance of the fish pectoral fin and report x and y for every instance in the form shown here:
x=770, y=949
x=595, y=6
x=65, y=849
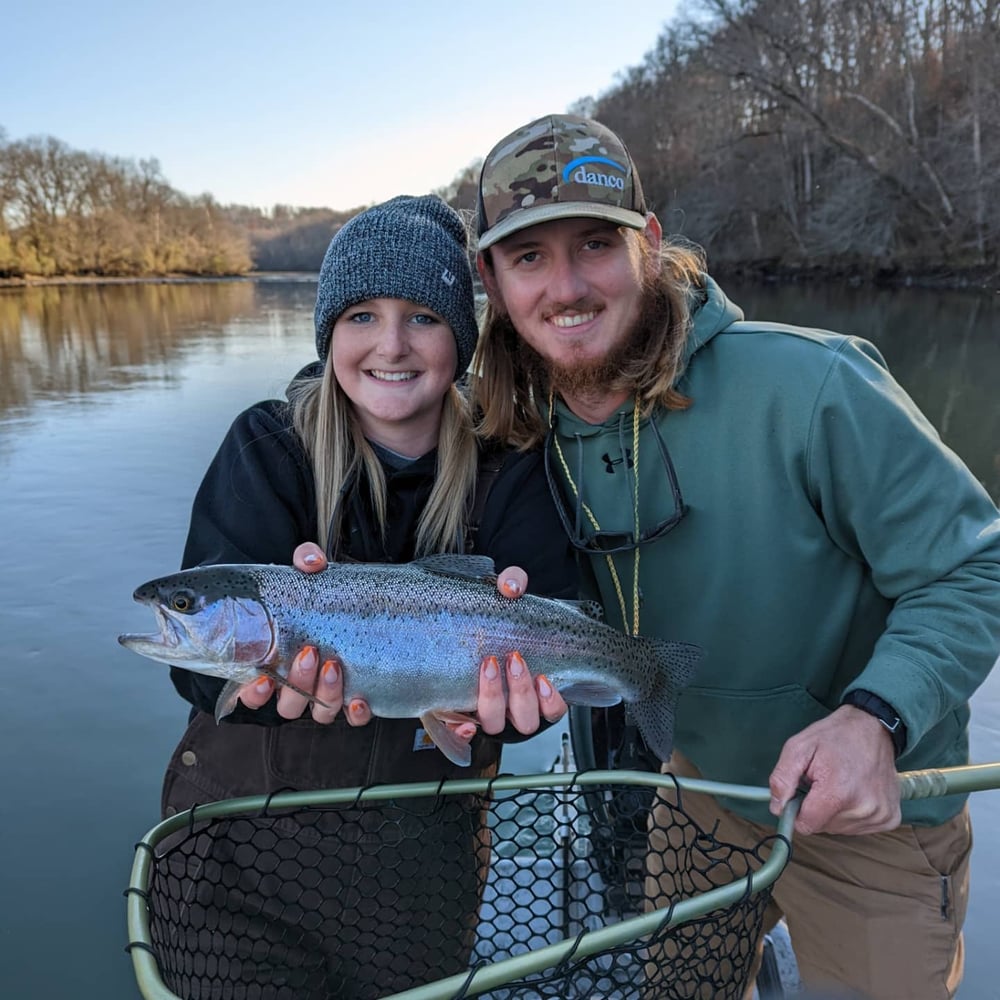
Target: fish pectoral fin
x=455, y=717
x=230, y=693
x=227, y=699
x=589, y=693
x=278, y=679
x=456, y=750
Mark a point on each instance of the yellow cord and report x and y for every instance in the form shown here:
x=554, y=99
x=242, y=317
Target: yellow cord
x=635, y=517
x=593, y=520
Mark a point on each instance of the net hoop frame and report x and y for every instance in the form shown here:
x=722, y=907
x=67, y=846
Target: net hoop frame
x=915, y=784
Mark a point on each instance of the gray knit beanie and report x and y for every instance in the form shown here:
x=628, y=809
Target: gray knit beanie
x=406, y=248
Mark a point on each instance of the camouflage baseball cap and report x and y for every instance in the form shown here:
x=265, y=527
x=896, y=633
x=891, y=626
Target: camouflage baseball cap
x=557, y=167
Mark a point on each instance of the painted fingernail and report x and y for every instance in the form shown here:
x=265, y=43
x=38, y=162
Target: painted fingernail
x=356, y=707
x=263, y=685
x=330, y=673
x=544, y=688
x=492, y=669
x=307, y=660
x=517, y=665
x=311, y=559
x=510, y=588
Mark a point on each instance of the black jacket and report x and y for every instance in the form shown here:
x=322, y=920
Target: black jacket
x=257, y=503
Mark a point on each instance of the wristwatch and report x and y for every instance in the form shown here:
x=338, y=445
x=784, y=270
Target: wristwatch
x=883, y=711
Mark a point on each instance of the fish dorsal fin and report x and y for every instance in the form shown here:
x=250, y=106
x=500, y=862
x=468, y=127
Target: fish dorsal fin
x=462, y=567
x=592, y=609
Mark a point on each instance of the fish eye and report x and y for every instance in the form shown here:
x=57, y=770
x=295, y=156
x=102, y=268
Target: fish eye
x=182, y=600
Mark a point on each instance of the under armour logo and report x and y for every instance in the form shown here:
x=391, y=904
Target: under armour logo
x=610, y=463
x=447, y=277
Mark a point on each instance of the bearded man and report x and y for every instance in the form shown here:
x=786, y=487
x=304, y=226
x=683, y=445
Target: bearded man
x=771, y=494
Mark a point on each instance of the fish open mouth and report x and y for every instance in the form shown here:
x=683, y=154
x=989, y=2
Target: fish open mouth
x=168, y=638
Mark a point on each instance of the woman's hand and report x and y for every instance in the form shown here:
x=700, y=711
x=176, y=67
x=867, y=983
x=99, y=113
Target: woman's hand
x=324, y=682
x=528, y=700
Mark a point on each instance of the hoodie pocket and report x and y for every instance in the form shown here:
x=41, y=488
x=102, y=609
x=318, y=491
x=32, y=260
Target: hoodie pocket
x=737, y=736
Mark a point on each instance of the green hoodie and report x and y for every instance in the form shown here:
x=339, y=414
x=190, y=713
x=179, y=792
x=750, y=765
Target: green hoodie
x=830, y=542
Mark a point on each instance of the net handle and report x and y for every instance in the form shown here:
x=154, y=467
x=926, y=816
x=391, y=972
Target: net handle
x=933, y=782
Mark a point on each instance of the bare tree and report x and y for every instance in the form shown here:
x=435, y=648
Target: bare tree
x=853, y=133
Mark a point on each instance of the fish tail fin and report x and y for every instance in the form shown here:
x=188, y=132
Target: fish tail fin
x=673, y=665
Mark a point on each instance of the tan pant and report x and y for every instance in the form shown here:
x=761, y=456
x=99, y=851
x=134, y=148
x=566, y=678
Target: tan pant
x=878, y=915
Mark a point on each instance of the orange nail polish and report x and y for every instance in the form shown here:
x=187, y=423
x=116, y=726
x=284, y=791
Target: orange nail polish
x=517, y=664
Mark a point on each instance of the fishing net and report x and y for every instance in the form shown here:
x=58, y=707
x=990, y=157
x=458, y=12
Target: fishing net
x=365, y=899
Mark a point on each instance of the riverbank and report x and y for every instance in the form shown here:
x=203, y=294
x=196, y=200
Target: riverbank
x=32, y=281
x=768, y=272
x=862, y=274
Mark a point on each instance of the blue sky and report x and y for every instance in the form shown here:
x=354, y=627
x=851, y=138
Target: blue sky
x=336, y=104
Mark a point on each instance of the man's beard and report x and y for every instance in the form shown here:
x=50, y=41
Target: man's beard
x=594, y=377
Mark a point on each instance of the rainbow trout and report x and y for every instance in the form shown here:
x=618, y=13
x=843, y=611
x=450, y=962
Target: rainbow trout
x=410, y=637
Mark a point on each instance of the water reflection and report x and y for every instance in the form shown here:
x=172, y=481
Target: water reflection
x=58, y=341
x=941, y=346
x=72, y=341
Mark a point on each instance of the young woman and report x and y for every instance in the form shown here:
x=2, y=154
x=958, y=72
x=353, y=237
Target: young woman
x=373, y=455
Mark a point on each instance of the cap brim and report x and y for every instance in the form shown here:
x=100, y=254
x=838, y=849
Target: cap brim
x=524, y=218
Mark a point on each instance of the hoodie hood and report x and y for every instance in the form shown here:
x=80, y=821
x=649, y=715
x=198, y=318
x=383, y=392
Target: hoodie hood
x=312, y=370
x=711, y=312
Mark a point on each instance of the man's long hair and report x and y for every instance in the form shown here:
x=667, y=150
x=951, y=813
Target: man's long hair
x=342, y=459
x=511, y=380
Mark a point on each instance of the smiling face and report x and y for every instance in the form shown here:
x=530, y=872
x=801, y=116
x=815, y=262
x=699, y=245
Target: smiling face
x=395, y=361
x=574, y=291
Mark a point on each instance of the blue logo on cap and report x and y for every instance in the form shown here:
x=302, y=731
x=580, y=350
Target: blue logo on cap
x=577, y=169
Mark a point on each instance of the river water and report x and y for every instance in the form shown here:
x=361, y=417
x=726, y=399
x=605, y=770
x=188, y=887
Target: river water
x=113, y=399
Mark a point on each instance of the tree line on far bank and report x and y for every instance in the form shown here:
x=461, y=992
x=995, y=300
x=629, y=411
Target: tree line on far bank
x=859, y=136
x=838, y=137
x=64, y=212
x=856, y=137
x=67, y=212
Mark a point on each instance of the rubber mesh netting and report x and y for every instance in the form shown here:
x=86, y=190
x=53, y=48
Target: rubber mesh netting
x=372, y=898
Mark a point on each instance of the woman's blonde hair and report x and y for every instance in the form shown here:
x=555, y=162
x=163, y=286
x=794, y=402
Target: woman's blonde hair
x=510, y=381
x=342, y=459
